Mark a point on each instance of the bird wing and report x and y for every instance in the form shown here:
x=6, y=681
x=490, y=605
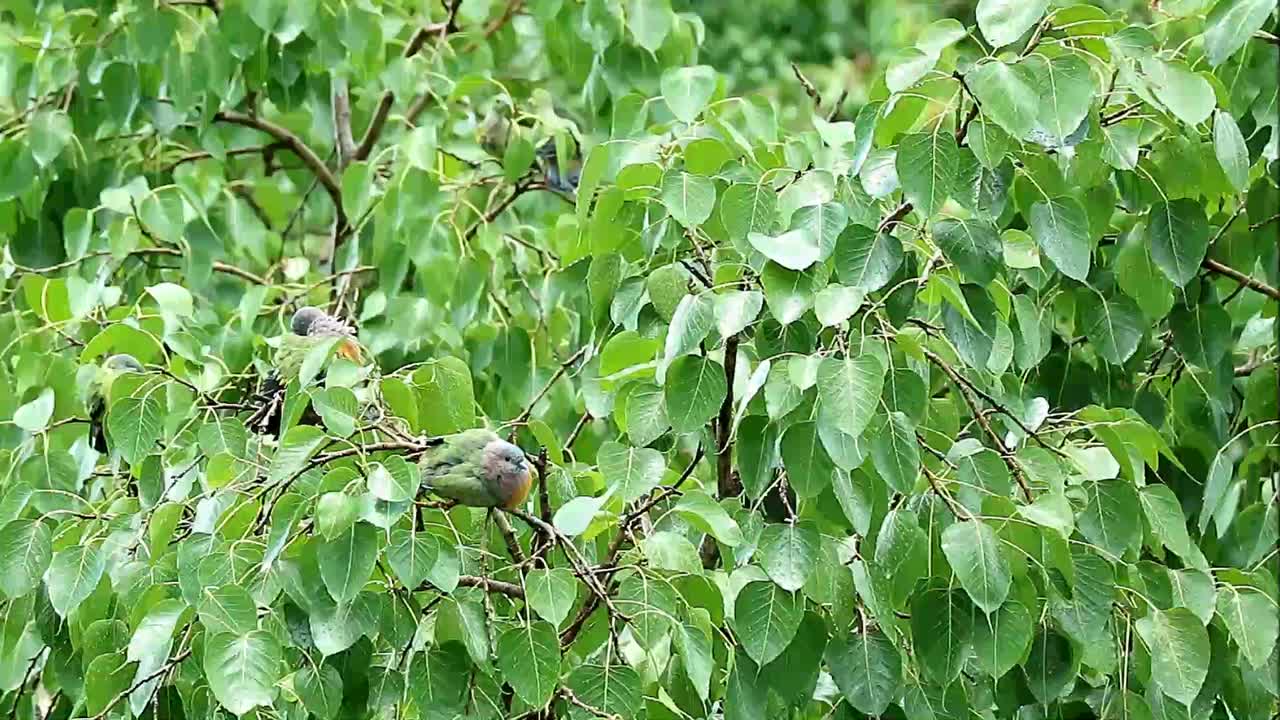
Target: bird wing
x=455, y=470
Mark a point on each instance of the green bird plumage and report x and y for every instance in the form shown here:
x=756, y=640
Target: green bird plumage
x=309, y=327
x=100, y=393
x=479, y=469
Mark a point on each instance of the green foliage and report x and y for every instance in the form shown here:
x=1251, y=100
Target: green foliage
x=954, y=396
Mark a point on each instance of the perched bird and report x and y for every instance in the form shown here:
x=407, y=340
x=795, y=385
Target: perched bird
x=100, y=394
x=308, y=329
x=561, y=177
x=495, y=130
x=479, y=469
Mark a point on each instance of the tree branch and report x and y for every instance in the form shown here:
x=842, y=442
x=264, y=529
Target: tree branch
x=342, y=122
x=726, y=484
x=1214, y=266
x=964, y=386
x=511, y=590
x=295, y=144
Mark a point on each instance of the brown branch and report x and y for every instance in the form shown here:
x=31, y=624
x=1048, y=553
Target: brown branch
x=544, y=497
x=345, y=142
x=214, y=5
x=522, y=186
x=615, y=546
x=964, y=386
x=129, y=691
x=509, y=537
x=513, y=6
x=726, y=484
x=265, y=150
x=809, y=89
x=1254, y=284
x=140, y=252
x=297, y=146
x=525, y=414
x=511, y=590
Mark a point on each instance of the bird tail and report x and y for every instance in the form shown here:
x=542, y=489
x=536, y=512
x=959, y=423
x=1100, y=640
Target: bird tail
x=98, y=427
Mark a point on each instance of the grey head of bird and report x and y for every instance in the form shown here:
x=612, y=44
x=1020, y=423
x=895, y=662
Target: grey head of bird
x=507, y=471
x=304, y=318
x=123, y=362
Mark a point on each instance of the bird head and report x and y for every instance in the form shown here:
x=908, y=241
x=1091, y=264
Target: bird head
x=507, y=470
x=123, y=363
x=314, y=322
x=303, y=319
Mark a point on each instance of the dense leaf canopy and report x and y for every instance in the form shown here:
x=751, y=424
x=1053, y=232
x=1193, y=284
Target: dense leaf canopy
x=944, y=392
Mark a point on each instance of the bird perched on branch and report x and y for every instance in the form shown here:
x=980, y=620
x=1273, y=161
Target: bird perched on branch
x=100, y=395
x=310, y=330
x=561, y=177
x=479, y=469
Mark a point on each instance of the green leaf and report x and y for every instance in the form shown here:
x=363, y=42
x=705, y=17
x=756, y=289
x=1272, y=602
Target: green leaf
x=1108, y=518
x=446, y=397
x=412, y=556
x=347, y=561
x=227, y=609
x=690, y=324
x=1114, y=325
x=1009, y=93
x=1202, y=333
x=173, y=299
x=1229, y=147
x=34, y=416
x=1230, y=25
x=26, y=550
x=1186, y=94
x=835, y=304
x=105, y=678
x=1164, y=513
x=746, y=208
x=630, y=472
x=242, y=669
x=927, y=164
x=649, y=22
x=1050, y=666
x=1001, y=638
x=48, y=133
x=866, y=259
x=973, y=550
x=850, y=390
x=612, y=688
x=529, y=657
x=823, y=222
x=1003, y=21
x=551, y=593
x=1060, y=227
x=358, y=187
x=788, y=553
x=1066, y=94
x=396, y=481
x=1250, y=617
x=689, y=198
x=296, y=448
x=808, y=465
x=1179, y=647
x=941, y=625
x=789, y=294
x=703, y=513
x=73, y=574
x=794, y=249
x=867, y=669
x=320, y=689
x=136, y=425
x=735, y=310
x=972, y=245
x=694, y=391
x=687, y=90
x=1178, y=234
x=766, y=617
x=895, y=453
